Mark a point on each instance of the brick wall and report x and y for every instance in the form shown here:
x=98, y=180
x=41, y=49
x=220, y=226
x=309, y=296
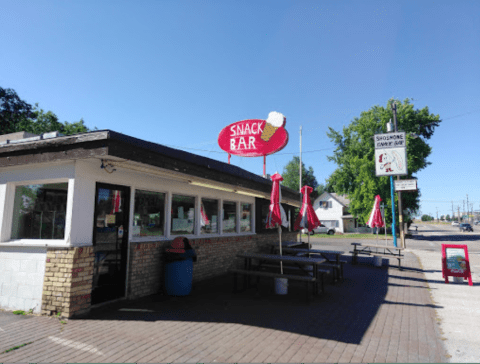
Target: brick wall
x=214, y=257
x=67, y=286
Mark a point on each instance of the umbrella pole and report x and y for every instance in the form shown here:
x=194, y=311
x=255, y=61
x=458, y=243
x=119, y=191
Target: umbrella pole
x=280, y=239
x=308, y=233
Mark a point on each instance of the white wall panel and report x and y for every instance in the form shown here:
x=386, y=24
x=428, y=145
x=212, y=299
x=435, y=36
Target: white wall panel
x=22, y=271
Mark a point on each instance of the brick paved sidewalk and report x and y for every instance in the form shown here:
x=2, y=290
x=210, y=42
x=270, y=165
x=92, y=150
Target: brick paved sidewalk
x=374, y=315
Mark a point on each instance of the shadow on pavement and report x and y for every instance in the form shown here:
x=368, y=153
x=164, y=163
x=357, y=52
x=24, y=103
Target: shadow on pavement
x=342, y=313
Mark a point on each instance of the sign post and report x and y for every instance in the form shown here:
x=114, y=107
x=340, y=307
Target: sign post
x=455, y=262
x=391, y=160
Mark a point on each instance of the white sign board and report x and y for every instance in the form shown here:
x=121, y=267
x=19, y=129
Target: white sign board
x=390, y=140
x=391, y=162
x=406, y=185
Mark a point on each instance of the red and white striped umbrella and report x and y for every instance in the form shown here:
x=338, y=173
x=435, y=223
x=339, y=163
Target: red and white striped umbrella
x=276, y=215
x=204, y=218
x=376, y=219
x=307, y=218
x=116, y=201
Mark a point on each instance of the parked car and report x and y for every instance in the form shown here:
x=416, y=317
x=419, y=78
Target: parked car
x=455, y=223
x=322, y=229
x=466, y=227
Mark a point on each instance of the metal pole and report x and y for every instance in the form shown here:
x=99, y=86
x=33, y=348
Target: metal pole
x=393, y=212
x=264, y=166
x=468, y=211
x=300, y=186
x=400, y=208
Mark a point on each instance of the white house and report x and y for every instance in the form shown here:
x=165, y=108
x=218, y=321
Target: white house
x=332, y=211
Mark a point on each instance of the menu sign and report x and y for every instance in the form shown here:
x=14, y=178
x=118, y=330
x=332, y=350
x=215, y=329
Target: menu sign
x=455, y=262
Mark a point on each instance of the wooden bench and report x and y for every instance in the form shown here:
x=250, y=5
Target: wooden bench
x=292, y=268
x=377, y=251
x=257, y=273
x=289, y=244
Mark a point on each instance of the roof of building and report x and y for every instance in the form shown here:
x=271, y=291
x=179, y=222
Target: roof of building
x=341, y=199
x=105, y=144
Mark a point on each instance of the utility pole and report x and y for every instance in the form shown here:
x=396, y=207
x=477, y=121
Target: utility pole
x=468, y=215
x=463, y=209
x=300, y=169
x=452, y=211
x=400, y=210
x=437, y=213
x=458, y=207
x=300, y=187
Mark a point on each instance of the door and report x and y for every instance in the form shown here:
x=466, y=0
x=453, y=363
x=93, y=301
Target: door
x=110, y=240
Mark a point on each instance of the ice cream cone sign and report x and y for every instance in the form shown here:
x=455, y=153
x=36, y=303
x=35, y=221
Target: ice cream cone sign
x=255, y=137
x=274, y=121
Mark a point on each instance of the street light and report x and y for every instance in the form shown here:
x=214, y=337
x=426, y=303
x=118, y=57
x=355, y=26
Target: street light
x=389, y=126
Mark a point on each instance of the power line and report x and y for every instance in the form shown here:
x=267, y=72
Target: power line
x=316, y=150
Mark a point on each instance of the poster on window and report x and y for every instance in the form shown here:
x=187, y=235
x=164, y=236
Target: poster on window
x=455, y=262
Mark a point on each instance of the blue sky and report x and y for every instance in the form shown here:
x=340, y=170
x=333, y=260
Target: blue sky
x=177, y=72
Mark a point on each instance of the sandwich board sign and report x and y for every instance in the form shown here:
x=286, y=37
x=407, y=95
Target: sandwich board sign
x=390, y=154
x=455, y=262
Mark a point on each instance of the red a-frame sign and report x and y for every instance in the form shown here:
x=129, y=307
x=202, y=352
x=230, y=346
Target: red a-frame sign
x=455, y=262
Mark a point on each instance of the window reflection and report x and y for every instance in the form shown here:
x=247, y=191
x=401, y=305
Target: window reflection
x=229, y=217
x=39, y=211
x=183, y=215
x=209, y=216
x=246, y=217
x=149, y=214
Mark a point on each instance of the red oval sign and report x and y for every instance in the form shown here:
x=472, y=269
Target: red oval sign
x=251, y=138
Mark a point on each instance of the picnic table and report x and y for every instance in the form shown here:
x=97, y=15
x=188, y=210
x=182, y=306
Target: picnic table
x=377, y=250
x=288, y=244
x=336, y=264
x=311, y=277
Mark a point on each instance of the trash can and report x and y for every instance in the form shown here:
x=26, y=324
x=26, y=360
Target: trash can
x=179, y=258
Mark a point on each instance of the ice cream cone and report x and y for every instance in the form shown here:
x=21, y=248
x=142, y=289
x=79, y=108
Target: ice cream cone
x=268, y=132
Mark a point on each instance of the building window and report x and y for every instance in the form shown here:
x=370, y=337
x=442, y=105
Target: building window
x=149, y=214
x=183, y=215
x=209, y=216
x=325, y=204
x=39, y=211
x=246, y=217
x=229, y=217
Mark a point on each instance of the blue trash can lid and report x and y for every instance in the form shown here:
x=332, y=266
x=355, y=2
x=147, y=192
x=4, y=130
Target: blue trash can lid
x=177, y=246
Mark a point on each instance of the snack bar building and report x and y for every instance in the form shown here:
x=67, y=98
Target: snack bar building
x=85, y=219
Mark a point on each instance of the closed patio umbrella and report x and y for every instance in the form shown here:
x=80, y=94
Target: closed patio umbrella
x=276, y=215
x=307, y=218
x=376, y=219
x=204, y=218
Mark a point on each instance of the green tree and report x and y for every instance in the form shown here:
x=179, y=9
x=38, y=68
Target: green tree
x=291, y=176
x=355, y=156
x=447, y=217
x=16, y=115
x=321, y=188
x=13, y=111
x=427, y=218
